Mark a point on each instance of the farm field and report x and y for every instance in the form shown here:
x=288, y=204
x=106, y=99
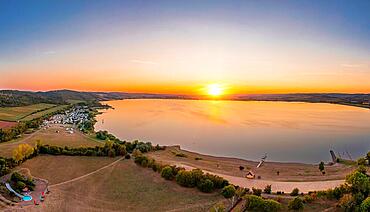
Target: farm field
x=123, y=186
x=18, y=113
x=54, y=135
x=7, y=124
x=44, y=112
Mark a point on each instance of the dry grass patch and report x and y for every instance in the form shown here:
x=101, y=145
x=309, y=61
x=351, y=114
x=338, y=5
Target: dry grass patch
x=121, y=187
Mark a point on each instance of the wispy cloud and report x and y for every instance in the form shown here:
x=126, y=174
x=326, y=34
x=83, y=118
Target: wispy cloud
x=49, y=52
x=146, y=62
x=351, y=65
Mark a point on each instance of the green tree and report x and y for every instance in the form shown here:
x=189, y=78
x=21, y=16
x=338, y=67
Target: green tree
x=267, y=189
x=322, y=166
x=296, y=204
x=167, y=173
x=205, y=186
x=294, y=192
x=228, y=191
x=365, y=205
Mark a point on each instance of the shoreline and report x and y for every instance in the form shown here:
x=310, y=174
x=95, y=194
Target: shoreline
x=270, y=170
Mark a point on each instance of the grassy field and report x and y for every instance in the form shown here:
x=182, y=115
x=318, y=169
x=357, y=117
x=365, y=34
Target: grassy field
x=55, y=135
x=17, y=113
x=44, y=112
x=7, y=124
x=122, y=187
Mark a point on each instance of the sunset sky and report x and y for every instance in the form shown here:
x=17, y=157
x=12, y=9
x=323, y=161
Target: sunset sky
x=182, y=46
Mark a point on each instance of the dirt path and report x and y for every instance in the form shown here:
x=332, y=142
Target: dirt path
x=287, y=187
x=86, y=175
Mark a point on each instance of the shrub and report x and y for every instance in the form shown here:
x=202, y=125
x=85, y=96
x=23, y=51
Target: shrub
x=308, y=199
x=218, y=181
x=321, y=166
x=256, y=191
x=256, y=203
x=20, y=185
x=241, y=168
x=361, y=161
x=365, y=205
x=128, y=156
x=166, y=173
x=228, y=191
x=295, y=192
x=197, y=158
x=182, y=155
x=347, y=202
x=272, y=205
x=205, y=186
x=185, y=178
x=296, y=204
x=267, y=189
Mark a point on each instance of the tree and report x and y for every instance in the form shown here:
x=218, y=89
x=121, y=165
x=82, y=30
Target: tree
x=294, y=192
x=205, y=186
x=166, y=173
x=256, y=191
x=321, y=166
x=256, y=203
x=228, y=191
x=296, y=204
x=23, y=151
x=185, y=178
x=267, y=189
x=359, y=182
x=365, y=205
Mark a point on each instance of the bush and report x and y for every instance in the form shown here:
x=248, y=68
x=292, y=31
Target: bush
x=205, y=186
x=347, y=202
x=256, y=203
x=256, y=191
x=296, y=204
x=228, y=191
x=361, y=161
x=167, y=173
x=272, y=206
x=185, y=178
x=321, y=166
x=295, y=192
x=267, y=189
x=128, y=156
x=308, y=199
x=365, y=205
x=20, y=185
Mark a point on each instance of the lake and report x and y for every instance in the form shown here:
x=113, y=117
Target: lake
x=285, y=131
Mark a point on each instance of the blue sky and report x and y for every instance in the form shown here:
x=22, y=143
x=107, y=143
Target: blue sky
x=46, y=35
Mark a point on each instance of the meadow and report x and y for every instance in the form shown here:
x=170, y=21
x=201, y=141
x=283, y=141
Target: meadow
x=43, y=112
x=55, y=135
x=19, y=113
x=121, y=187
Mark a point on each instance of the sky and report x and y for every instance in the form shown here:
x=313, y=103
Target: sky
x=183, y=46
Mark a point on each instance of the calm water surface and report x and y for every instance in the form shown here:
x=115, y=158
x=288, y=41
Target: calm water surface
x=302, y=132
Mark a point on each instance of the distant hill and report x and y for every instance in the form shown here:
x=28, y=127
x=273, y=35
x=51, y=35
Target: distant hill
x=11, y=98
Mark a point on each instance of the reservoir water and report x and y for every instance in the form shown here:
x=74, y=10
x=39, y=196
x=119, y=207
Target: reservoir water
x=285, y=131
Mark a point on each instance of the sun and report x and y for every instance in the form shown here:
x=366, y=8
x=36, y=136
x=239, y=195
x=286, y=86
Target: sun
x=215, y=90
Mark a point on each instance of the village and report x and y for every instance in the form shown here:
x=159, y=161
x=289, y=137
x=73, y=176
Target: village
x=74, y=116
